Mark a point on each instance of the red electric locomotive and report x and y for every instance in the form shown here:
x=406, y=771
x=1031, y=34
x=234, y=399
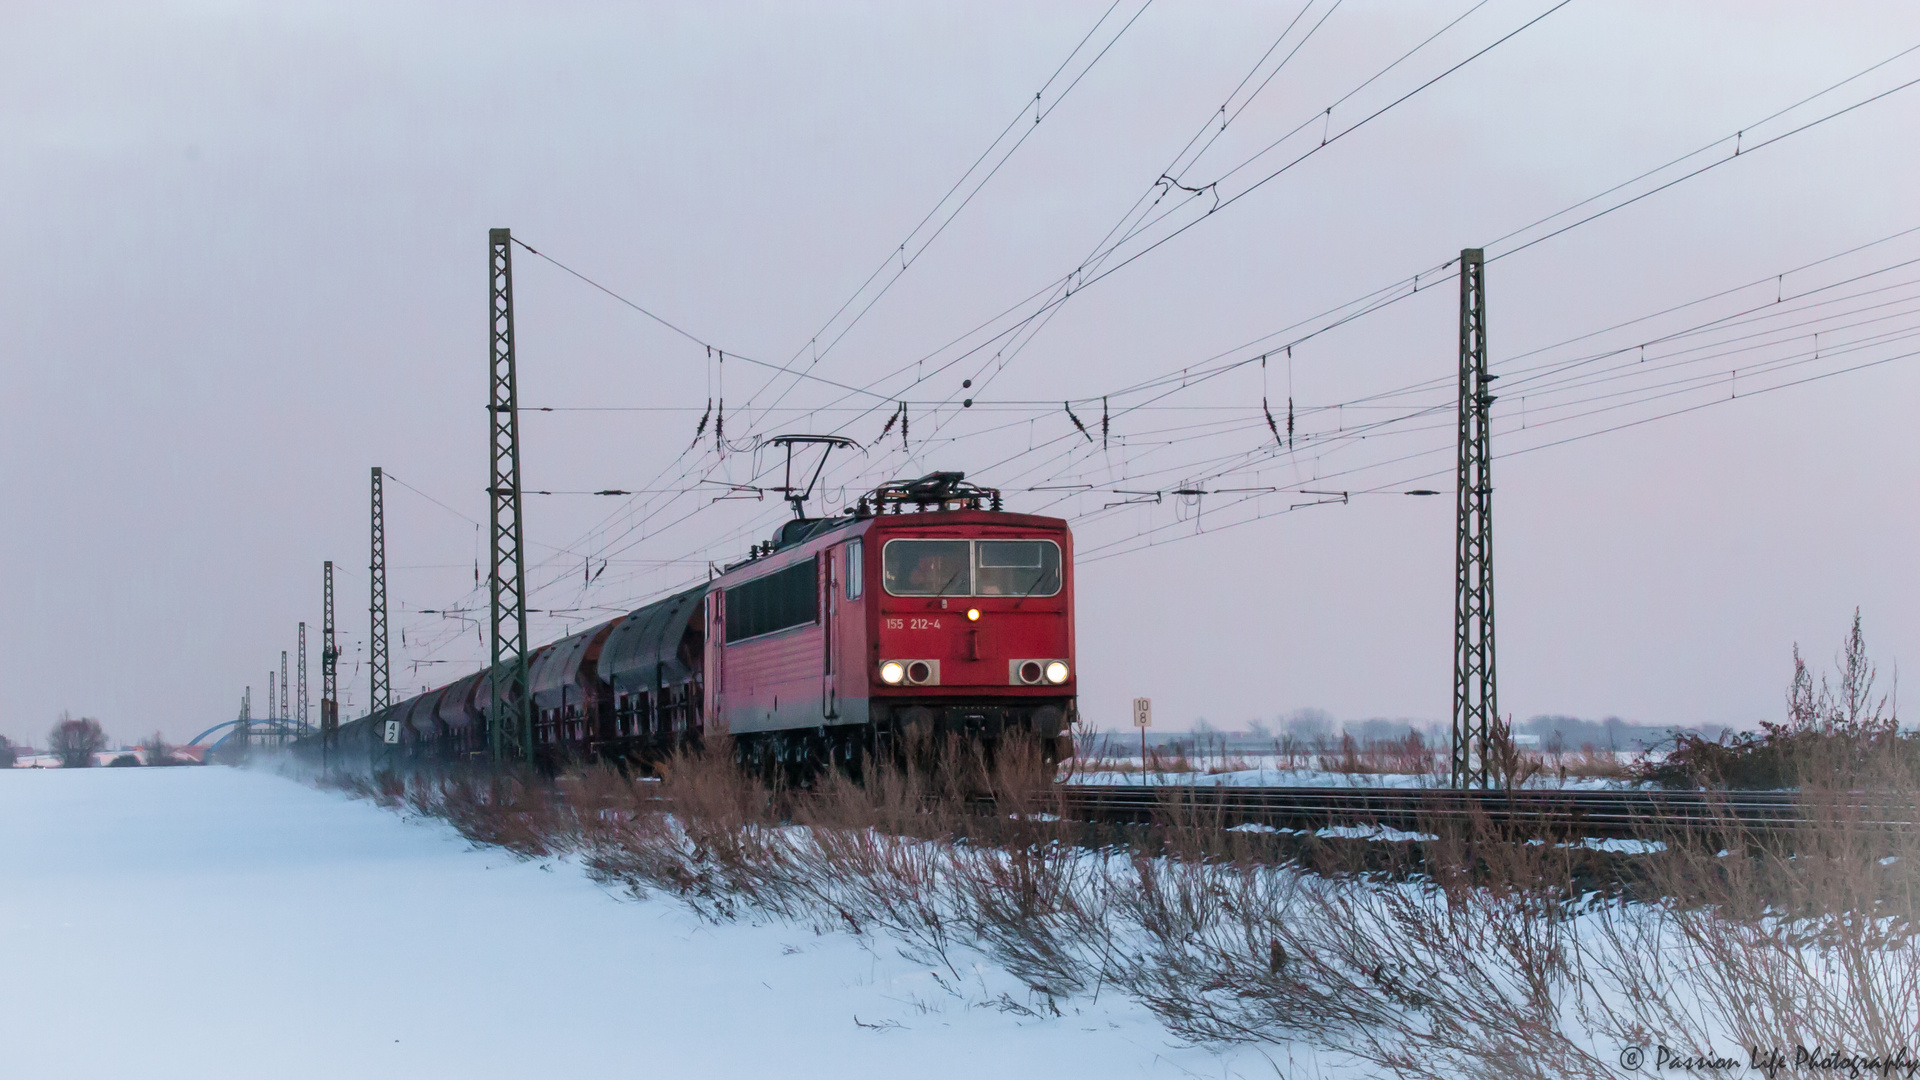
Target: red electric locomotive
x=925, y=608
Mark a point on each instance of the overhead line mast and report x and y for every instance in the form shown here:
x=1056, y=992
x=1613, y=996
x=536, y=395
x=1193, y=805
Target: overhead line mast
x=242, y=736
x=300, y=721
x=1475, y=705
x=329, y=672
x=377, y=608
x=509, y=718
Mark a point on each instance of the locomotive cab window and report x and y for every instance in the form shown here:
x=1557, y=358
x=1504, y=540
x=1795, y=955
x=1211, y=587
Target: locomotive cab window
x=971, y=567
x=856, y=571
x=1016, y=568
x=780, y=601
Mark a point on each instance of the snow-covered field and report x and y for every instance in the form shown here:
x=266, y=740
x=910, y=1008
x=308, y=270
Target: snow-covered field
x=216, y=922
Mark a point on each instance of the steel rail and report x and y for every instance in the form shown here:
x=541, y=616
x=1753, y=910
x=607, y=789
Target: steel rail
x=1617, y=814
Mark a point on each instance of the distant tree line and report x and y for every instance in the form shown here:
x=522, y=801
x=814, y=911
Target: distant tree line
x=77, y=740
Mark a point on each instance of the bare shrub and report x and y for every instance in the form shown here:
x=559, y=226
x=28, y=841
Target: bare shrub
x=1102, y=752
x=1477, y=951
x=868, y=876
x=1169, y=759
x=1460, y=965
x=1407, y=754
x=1554, y=752
x=1347, y=759
x=1096, y=752
x=1591, y=761
x=1017, y=880
x=712, y=839
x=1292, y=752
x=389, y=788
x=599, y=793
x=1808, y=936
x=1493, y=956
x=1508, y=765
x=158, y=752
x=1830, y=730
x=75, y=740
x=516, y=810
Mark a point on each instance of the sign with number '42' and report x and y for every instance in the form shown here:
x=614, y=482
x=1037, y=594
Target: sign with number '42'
x=1142, y=712
x=392, y=733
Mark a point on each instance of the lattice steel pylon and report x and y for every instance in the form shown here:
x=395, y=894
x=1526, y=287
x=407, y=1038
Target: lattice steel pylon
x=242, y=736
x=510, y=718
x=377, y=605
x=1475, y=704
x=285, y=714
x=329, y=672
x=300, y=699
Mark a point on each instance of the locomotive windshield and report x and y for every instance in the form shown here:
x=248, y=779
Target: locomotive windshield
x=1016, y=568
x=929, y=567
x=972, y=567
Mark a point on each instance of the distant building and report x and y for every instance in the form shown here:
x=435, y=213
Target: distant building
x=28, y=758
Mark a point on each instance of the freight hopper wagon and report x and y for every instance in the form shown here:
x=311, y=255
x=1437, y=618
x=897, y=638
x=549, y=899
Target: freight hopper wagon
x=926, y=609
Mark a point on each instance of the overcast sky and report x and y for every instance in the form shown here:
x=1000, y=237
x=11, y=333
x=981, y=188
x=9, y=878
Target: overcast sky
x=245, y=262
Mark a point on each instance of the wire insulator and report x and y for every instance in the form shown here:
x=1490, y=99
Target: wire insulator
x=702, y=429
x=892, y=419
x=1076, y=421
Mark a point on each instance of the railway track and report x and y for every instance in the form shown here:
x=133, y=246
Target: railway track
x=1617, y=814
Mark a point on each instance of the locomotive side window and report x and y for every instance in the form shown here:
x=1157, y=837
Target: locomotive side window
x=856, y=571
x=779, y=601
x=928, y=567
x=1016, y=568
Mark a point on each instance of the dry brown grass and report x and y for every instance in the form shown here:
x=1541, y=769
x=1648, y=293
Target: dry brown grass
x=518, y=811
x=1475, y=953
x=1802, y=937
x=1408, y=754
x=1158, y=760
x=1591, y=762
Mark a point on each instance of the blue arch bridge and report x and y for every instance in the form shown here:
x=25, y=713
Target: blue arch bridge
x=260, y=732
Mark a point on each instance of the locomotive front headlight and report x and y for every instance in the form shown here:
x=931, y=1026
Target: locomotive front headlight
x=1057, y=671
x=973, y=614
x=891, y=673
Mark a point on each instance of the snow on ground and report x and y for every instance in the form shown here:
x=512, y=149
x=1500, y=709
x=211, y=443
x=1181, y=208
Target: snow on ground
x=217, y=922
x=1342, y=832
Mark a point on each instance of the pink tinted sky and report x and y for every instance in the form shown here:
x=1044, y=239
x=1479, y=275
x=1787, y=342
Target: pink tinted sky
x=246, y=263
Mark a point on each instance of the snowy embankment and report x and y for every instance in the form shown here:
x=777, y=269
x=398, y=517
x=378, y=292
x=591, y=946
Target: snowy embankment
x=218, y=922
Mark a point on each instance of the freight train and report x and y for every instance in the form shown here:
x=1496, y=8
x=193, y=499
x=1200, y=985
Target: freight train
x=924, y=609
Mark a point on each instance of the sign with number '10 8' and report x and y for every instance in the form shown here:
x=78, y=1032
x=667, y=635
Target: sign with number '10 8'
x=1142, y=712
